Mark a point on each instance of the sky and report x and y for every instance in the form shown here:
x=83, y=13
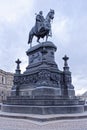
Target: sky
x=69, y=34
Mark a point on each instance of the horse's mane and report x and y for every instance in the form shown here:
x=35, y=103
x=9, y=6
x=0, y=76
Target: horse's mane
x=47, y=15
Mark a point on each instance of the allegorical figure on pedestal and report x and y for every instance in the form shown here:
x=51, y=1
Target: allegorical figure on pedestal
x=42, y=26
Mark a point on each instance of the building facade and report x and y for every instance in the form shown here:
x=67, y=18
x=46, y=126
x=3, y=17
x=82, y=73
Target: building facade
x=6, y=83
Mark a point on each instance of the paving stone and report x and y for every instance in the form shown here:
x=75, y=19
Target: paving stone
x=21, y=124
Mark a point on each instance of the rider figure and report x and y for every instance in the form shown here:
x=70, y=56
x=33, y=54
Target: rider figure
x=39, y=21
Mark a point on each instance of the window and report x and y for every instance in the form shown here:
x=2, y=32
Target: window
x=3, y=80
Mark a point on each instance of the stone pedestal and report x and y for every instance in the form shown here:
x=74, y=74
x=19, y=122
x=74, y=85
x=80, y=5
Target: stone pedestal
x=43, y=88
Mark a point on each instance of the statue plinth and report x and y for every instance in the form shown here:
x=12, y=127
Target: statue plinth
x=41, y=53
x=43, y=88
x=41, y=77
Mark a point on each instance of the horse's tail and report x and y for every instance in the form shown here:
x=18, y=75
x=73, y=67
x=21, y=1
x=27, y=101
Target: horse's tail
x=30, y=37
x=30, y=40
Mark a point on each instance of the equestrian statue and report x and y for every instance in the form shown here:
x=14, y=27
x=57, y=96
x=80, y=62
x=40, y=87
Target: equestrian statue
x=42, y=26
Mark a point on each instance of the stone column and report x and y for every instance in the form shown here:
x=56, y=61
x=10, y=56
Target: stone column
x=67, y=79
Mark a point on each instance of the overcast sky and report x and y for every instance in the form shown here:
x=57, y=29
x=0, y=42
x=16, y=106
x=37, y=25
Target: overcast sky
x=69, y=29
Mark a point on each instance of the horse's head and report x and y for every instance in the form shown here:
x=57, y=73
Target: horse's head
x=51, y=14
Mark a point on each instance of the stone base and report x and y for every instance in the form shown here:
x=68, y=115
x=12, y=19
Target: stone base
x=43, y=88
x=42, y=105
x=43, y=110
x=42, y=101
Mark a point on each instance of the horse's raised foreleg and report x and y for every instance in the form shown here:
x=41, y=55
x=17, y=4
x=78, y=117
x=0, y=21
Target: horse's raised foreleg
x=50, y=33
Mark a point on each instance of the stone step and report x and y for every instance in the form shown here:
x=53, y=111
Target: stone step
x=41, y=102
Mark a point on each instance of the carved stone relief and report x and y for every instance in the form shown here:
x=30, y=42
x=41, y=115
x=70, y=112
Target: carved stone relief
x=35, y=58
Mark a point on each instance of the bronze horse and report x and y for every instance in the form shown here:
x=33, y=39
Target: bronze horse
x=45, y=29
